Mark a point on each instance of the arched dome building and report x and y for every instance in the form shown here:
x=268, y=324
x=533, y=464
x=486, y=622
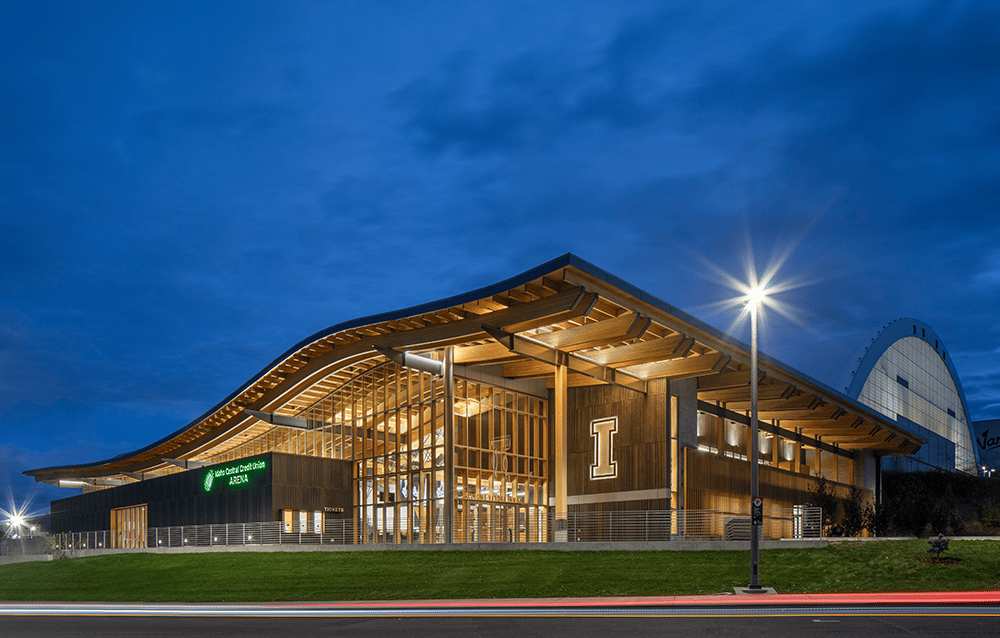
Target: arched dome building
x=906, y=374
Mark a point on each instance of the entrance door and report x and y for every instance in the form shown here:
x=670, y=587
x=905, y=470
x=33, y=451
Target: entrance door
x=128, y=527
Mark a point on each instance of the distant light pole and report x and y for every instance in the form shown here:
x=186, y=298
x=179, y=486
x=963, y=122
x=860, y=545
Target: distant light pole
x=755, y=297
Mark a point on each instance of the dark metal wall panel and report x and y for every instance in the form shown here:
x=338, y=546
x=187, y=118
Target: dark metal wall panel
x=312, y=484
x=287, y=482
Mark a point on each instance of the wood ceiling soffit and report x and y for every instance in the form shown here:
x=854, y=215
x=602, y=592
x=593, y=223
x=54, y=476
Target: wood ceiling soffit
x=681, y=368
x=778, y=404
x=643, y=352
x=728, y=380
x=824, y=413
x=555, y=285
x=534, y=289
x=742, y=394
x=846, y=438
x=490, y=305
x=550, y=357
x=864, y=430
x=584, y=307
x=474, y=309
x=519, y=295
x=483, y=354
x=589, y=335
x=573, y=380
x=527, y=369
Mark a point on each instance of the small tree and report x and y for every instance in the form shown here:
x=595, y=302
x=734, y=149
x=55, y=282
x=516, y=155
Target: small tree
x=822, y=497
x=853, y=520
x=62, y=545
x=876, y=520
x=937, y=545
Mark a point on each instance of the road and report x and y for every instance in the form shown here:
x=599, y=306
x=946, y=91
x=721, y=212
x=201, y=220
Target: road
x=577, y=621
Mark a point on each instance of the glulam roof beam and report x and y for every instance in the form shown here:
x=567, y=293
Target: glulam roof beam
x=624, y=328
x=742, y=394
x=674, y=347
x=729, y=380
x=548, y=357
x=484, y=354
x=694, y=366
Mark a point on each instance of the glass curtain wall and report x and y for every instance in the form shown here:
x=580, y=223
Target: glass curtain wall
x=390, y=422
x=500, y=465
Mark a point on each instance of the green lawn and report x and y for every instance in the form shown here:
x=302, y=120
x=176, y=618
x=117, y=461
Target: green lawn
x=304, y=576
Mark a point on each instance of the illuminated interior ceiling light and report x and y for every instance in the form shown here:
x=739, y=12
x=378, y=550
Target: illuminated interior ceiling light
x=414, y=361
x=789, y=451
x=733, y=435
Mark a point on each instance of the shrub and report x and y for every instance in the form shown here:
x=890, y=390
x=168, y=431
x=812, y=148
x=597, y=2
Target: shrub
x=909, y=504
x=937, y=545
x=991, y=515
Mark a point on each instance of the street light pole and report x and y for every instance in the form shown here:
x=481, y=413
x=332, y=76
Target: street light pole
x=755, y=504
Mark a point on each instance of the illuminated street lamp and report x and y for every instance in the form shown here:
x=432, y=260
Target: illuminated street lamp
x=755, y=297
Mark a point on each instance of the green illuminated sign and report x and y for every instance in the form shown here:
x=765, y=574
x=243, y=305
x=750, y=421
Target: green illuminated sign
x=232, y=475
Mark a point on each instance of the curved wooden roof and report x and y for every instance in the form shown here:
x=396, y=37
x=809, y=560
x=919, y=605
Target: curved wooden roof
x=605, y=329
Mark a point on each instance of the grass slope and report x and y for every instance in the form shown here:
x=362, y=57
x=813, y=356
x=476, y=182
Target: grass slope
x=389, y=575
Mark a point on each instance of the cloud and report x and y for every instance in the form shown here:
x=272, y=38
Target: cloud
x=540, y=97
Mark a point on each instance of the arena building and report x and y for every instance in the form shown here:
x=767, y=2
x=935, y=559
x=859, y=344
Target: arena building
x=494, y=416
x=906, y=374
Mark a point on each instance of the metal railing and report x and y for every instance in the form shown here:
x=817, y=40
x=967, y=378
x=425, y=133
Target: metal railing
x=572, y=527
x=691, y=525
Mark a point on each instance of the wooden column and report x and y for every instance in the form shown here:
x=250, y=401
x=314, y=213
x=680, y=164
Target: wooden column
x=797, y=461
x=775, y=447
x=449, y=445
x=561, y=450
x=675, y=459
x=720, y=431
x=819, y=459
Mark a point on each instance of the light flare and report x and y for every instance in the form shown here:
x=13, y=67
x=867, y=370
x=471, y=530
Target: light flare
x=18, y=517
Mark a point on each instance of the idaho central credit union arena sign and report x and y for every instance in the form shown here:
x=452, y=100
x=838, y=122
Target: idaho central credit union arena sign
x=233, y=475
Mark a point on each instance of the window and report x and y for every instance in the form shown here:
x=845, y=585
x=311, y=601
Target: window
x=903, y=382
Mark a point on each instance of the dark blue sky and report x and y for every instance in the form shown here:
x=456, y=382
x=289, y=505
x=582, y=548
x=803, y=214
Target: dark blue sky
x=187, y=189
